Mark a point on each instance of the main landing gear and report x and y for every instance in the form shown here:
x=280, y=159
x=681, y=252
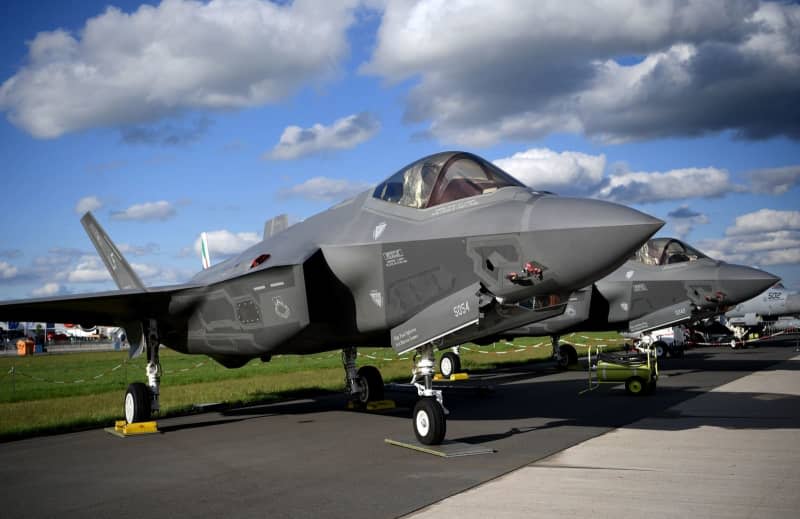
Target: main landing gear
x=450, y=363
x=430, y=424
x=565, y=355
x=141, y=400
x=363, y=385
x=366, y=385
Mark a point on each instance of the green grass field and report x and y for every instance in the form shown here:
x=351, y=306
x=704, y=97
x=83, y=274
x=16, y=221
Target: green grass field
x=49, y=393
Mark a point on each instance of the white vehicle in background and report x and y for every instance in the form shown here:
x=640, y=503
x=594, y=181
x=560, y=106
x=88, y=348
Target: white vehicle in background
x=665, y=342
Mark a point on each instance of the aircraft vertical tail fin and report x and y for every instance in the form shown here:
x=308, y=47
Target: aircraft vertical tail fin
x=204, y=254
x=275, y=225
x=117, y=266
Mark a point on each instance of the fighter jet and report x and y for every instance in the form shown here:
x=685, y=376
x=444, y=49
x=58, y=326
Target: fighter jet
x=766, y=308
x=664, y=283
x=438, y=254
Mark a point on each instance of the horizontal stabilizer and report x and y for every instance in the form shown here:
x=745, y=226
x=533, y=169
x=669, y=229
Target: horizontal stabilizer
x=117, y=266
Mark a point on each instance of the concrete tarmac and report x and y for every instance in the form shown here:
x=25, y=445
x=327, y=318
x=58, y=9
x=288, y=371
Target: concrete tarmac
x=312, y=458
x=716, y=455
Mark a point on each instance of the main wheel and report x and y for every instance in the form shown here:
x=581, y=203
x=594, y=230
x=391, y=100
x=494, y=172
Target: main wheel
x=449, y=363
x=661, y=349
x=372, y=384
x=567, y=356
x=430, y=425
x=137, y=403
x=635, y=386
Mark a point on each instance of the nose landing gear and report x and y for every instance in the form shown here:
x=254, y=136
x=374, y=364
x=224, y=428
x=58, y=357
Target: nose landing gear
x=429, y=417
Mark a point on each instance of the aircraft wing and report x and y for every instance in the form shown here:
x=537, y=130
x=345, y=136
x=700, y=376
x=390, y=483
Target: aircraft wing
x=103, y=308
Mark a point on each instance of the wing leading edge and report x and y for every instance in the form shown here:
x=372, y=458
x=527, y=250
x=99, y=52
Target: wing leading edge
x=104, y=308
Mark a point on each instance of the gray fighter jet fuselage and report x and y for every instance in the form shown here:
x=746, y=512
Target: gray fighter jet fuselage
x=438, y=254
x=767, y=306
x=666, y=282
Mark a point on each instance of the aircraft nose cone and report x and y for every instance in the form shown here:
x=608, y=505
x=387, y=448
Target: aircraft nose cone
x=582, y=240
x=740, y=283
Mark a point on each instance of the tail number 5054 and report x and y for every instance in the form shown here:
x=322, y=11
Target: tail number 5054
x=461, y=309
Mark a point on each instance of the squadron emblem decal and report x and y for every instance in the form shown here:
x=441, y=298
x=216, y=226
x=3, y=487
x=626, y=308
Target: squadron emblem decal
x=282, y=310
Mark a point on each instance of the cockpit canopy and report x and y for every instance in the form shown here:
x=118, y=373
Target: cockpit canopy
x=665, y=251
x=442, y=178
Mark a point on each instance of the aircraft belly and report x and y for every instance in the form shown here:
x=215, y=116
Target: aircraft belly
x=250, y=315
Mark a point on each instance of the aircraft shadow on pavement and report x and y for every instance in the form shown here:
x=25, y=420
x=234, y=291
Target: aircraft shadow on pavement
x=521, y=393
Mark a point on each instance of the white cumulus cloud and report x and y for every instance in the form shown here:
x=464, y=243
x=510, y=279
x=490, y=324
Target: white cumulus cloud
x=7, y=270
x=765, y=220
x=347, y=132
x=764, y=237
x=676, y=184
x=47, y=290
x=161, y=210
x=88, y=203
x=324, y=188
x=549, y=170
x=126, y=69
x=88, y=270
x=226, y=243
x=775, y=181
x=684, y=220
x=616, y=71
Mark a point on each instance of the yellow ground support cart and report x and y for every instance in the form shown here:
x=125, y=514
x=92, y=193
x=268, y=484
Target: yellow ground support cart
x=639, y=371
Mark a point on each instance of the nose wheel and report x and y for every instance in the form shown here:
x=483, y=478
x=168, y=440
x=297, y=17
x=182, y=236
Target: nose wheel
x=430, y=425
x=429, y=416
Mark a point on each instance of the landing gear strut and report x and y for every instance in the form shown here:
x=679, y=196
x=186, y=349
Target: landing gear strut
x=141, y=400
x=430, y=424
x=365, y=384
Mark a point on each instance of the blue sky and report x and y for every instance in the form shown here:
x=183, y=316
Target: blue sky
x=184, y=117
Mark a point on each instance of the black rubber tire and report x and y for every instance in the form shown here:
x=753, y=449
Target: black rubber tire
x=568, y=356
x=372, y=382
x=651, y=387
x=660, y=346
x=137, y=403
x=429, y=421
x=449, y=363
x=635, y=386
